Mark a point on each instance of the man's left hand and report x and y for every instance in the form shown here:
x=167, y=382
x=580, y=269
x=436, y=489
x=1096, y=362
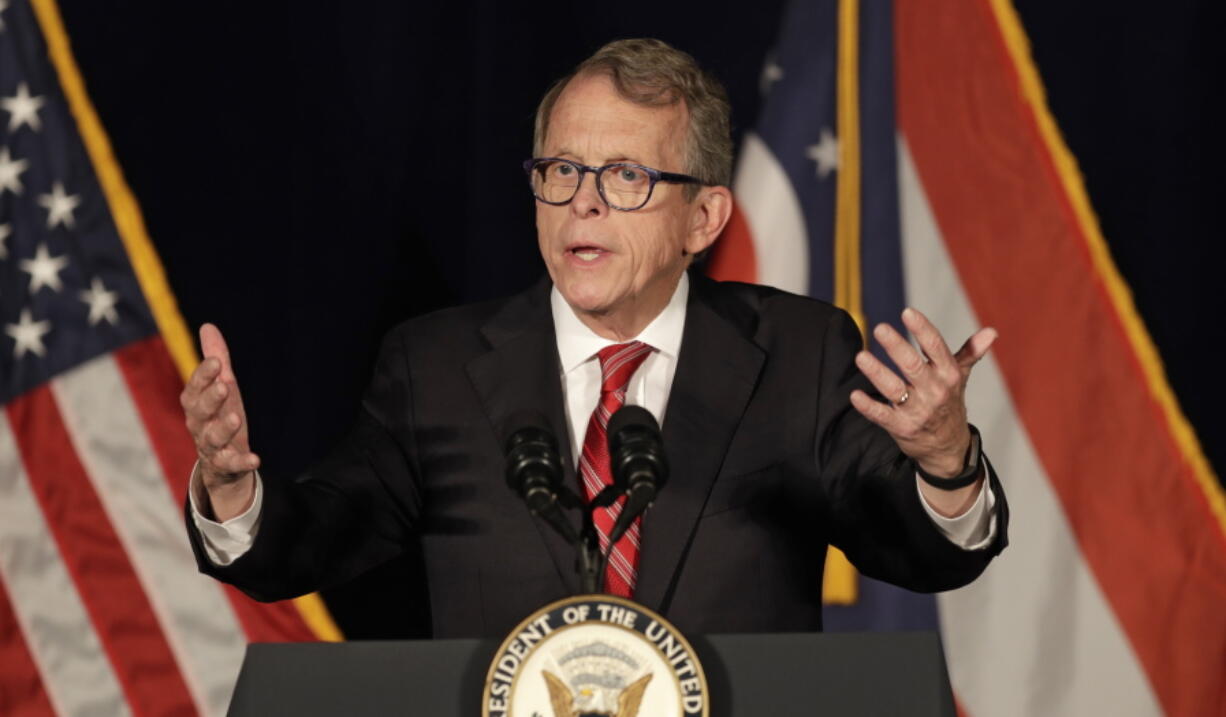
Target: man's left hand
x=926, y=413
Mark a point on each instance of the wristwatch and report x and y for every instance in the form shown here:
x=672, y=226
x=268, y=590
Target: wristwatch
x=969, y=474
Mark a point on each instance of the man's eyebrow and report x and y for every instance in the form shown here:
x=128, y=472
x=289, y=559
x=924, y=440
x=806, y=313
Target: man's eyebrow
x=565, y=153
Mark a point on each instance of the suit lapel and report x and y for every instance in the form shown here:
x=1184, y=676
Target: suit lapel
x=522, y=372
x=717, y=371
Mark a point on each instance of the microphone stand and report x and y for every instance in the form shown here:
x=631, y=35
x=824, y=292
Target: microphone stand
x=590, y=564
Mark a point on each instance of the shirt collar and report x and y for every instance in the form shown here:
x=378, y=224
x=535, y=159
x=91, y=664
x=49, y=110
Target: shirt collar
x=577, y=343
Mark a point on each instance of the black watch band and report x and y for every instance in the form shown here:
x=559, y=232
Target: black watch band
x=969, y=474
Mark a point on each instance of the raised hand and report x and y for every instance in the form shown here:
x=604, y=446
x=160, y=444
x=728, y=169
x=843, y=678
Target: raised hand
x=926, y=413
x=215, y=417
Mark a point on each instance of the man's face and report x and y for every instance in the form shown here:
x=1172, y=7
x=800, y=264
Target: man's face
x=605, y=261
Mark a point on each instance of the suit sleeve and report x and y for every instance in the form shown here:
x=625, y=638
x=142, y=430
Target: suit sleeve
x=351, y=512
x=874, y=512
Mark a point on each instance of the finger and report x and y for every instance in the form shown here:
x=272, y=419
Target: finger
x=930, y=340
x=204, y=375
x=221, y=431
x=976, y=347
x=883, y=379
x=213, y=345
x=229, y=460
x=875, y=411
x=207, y=403
x=904, y=355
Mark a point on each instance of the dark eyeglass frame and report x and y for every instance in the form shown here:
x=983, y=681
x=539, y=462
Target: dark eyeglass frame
x=655, y=175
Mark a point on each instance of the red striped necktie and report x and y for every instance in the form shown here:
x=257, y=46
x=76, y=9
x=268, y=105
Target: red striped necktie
x=617, y=364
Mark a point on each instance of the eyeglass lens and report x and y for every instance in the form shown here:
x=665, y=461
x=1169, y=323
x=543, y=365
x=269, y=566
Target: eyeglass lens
x=624, y=186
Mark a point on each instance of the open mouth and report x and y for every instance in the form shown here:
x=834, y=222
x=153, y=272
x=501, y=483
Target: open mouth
x=588, y=253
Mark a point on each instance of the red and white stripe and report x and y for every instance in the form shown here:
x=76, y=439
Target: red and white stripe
x=199, y=623
x=773, y=231
x=1035, y=634
x=1087, y=398
x=48, y=614
x=105, y=610
x=24, y=691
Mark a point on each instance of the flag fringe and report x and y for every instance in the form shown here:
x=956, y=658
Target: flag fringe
x=315, y=614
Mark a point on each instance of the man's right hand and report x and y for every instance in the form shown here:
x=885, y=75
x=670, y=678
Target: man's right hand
x=215, y=417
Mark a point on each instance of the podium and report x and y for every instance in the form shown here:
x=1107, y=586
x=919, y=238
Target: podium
x=773, y=674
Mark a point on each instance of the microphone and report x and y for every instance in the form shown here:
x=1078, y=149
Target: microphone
x=534, y=470
x=640, y=468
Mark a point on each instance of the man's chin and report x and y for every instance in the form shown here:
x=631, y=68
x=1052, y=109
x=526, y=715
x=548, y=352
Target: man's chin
x=593, y=308
x=586, y=300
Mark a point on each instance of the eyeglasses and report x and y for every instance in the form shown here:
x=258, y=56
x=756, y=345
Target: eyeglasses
x=622, y=185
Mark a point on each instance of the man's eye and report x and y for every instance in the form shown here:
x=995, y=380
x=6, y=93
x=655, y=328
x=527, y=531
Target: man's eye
x=629, y=175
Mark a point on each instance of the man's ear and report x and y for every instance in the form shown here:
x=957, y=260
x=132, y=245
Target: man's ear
x=713, y=207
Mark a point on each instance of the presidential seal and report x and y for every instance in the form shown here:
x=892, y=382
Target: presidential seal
x=594, y=656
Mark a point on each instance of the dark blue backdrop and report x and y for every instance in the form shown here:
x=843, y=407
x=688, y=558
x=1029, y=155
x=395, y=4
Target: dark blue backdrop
x=312, y=173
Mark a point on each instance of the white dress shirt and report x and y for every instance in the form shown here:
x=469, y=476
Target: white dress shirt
x=649, y=388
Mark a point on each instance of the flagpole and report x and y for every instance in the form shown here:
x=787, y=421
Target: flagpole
x=839, y=584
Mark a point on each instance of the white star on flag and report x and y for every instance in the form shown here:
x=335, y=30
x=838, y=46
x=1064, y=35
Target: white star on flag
x=5, y=231
x=771, y=73
x=28, y=335
x=59, y=206
x=23, y=109
x=44, y=269
x=10, y=172
x=101, y=303
x=825, y=153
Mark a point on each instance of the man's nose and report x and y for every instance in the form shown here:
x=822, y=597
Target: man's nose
x=587, y=201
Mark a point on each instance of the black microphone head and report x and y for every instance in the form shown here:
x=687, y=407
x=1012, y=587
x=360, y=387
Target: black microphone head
x=527, y=426
x=637, y=417
x=532, y=454
x=636, y=450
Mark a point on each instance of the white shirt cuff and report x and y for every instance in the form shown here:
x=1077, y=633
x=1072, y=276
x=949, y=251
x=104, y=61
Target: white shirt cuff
x=975, y=528
x=225, y=542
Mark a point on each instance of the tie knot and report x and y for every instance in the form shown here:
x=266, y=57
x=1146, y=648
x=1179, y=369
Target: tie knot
x=619, y=362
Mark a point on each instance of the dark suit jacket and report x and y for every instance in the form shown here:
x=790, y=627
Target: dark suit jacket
x=770, y=463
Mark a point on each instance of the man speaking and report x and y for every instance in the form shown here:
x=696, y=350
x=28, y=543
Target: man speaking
x=783, y=435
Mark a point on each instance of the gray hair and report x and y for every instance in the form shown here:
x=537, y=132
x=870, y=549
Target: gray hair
x=654, y=74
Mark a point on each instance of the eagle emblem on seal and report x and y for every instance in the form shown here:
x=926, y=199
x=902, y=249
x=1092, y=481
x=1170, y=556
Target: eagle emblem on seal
x=598, y=680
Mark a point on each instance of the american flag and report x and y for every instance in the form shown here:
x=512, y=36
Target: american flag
x=905, y=152
x=102, y=610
